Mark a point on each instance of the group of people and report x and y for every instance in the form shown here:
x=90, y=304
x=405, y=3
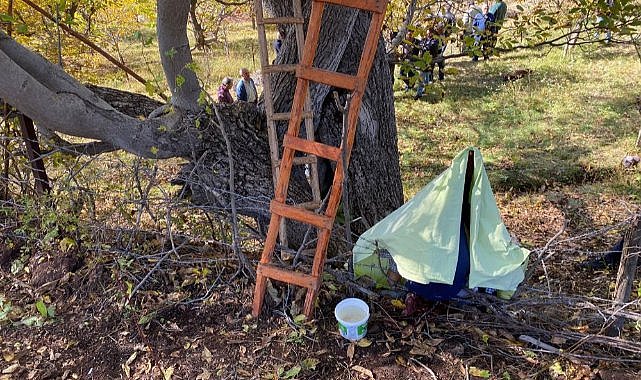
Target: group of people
x=245, y=89
x=483, y=24
x=422, y=54
x=416, y=49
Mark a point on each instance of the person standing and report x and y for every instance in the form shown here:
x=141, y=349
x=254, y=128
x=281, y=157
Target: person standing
x=450, y=22
x=224, y=96
x=432, y=45
x=471, y=19
x=499, y=10
x=495, y=17
x=278, y=44
x=411, y=53
x=488, y=39
x=478, y=27
x=246, y=89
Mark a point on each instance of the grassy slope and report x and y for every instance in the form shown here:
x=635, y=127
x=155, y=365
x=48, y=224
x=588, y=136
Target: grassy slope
x=571, y=120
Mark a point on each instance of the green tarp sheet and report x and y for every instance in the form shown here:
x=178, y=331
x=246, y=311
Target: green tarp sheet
x=422, y=236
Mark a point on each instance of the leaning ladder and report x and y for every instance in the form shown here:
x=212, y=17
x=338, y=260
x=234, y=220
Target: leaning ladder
x=272, y=118
x=323, y=221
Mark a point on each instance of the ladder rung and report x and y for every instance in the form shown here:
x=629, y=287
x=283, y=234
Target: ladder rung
x=304, y=160
x=281, y=20
x=287, y=115
x=301, y=215
x=271, y=69
x=331, y=78
x=312, y=147
x=313, y=205
x=377, y=6
x=289, y=276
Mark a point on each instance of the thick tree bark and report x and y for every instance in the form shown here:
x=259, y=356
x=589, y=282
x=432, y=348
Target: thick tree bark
x=374, y=172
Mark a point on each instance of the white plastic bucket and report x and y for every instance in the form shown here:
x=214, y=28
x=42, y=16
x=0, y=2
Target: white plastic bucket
x=352, y=315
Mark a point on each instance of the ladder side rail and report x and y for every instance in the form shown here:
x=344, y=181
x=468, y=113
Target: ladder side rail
x=302, y=86
x=309, y=123
x=272, y=135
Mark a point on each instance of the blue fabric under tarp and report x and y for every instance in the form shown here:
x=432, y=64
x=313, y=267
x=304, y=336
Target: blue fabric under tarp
x=438, y=292
x=423, y=237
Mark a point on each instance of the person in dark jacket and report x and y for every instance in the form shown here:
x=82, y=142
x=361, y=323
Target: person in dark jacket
x=224, y=96
x=432, y=44
x=494, y=19
x=246, y=89
x=411, y=53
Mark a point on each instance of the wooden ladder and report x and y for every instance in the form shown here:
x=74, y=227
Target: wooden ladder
x=292, y=143
x=272, y=118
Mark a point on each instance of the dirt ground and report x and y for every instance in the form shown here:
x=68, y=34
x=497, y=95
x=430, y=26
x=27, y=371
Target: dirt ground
x=191, y=321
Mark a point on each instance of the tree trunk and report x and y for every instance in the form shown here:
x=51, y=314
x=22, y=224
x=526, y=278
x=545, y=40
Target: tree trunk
x=199, y=32
x=625, y=274
x=175, y=53
x=374, y=171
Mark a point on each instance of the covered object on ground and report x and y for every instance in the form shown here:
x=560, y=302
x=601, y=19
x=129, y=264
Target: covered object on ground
x=422, y=236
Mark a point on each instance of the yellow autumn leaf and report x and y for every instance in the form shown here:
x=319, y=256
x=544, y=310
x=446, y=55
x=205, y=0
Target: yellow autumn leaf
x=363, y=371
x=479, y=372
x=8, y=356
x=168, y=373
x=364, y=342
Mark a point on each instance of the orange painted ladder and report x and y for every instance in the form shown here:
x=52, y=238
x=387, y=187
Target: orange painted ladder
x=292, y=144
x=266, y=70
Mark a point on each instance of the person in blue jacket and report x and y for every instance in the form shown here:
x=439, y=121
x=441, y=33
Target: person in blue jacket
x=246, y=89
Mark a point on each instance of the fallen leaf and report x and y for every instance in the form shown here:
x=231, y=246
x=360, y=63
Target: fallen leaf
x=205, y=375
x=434, y=342
x=292, y=372
x=8, y=356
x=398, y=304
x=422, y=349
x=364, y=342
x=479, y=372
x=273, y=292
x=131, y=358
x=363, y=371
x=206, y=354
x=350, y=351
x=310, y=363
x=168, y=373
x=407, y=332
x=11, y=369
x=125, y=366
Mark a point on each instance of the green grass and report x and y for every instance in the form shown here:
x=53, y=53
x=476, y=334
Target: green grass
x=570, y=122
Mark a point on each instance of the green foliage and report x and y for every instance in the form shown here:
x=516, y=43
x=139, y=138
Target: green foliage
x=44, y=310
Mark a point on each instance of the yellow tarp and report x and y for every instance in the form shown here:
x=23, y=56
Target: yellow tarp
x=422, y=236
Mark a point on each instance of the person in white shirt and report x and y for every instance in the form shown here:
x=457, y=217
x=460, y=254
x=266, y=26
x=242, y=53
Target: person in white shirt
x=246, y=89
